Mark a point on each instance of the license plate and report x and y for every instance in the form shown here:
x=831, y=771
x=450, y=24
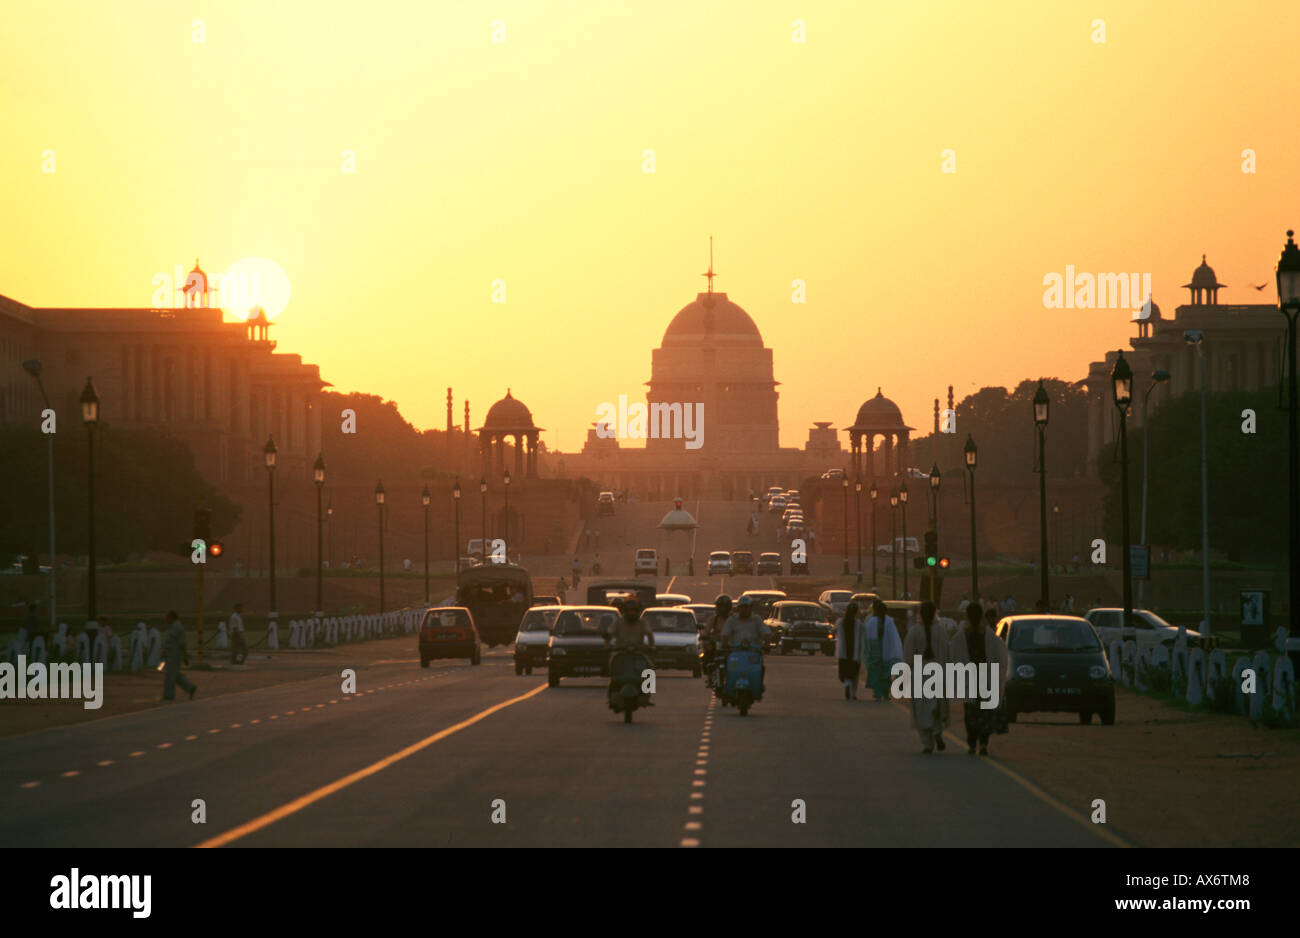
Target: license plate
x=447, y=635
x=809, y=646
x=1065, y=690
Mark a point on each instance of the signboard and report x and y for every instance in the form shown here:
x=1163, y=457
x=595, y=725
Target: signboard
x=1139, y=561
x=1254, y=617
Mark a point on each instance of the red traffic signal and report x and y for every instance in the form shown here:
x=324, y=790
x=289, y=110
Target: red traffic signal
x=943, y=563
x=215, y=549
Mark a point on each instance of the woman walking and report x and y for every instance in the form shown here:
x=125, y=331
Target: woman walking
x=879, y=647
x=975, y=643
x=929, y=639
x=846, y=649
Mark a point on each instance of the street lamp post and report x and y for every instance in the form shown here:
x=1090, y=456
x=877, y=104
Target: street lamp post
x=506, y=482
x=1288, y=296
x=1041, y=404
x=90, y=417
x=33, y=367
x=329, y=531
x=972, y=456
x=482, y=497
x=934, y=526
x=269, y=457
x=379, y=504
x=1121, y=377
x=873, y=493
x=425, y=498
x=844, y=484
x=318, y=476
x=902, y=498
x=893, y=543
x=455, y=501
x=1197, y=337
x=857, y=509
x=1159, y=376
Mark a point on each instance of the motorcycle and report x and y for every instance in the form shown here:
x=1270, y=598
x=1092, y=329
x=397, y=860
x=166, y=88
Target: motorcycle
x=742, y=683
x=626, y=669
x=713, y=667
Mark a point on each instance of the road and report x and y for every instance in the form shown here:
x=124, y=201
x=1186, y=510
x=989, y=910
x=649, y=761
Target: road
x=418, y=757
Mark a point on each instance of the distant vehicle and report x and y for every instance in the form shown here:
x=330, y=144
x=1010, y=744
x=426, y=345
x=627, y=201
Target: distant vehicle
x=647, y=561
x=605, y=503
x=1148, y=629
x=703, y=612
x=763, y=600
x=719, y=562
x=1057, y=664
x=546, y=601
x=676, y=639
x=769, y=564
x=449, y=632
x=913, y=546
x=605, y=592
x=671, y=599
x=836, y=600
x=742, y=562
x=577, y=647
x=801, y=626
x=497, y=595
x=778, y=503
x=833, y=474
x=533, y=636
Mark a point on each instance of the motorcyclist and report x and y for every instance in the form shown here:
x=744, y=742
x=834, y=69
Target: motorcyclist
x=630, y=632
x=743, y=628
x=712, y=636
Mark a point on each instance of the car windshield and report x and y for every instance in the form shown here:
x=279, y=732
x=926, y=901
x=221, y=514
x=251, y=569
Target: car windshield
x=665, y=620
x=446, y=619
x=794, y=613
x=645, y=554
x=585, y=621
x=743, y=555
x=1048, y=635
x=1105, y=618
x=538, y=620
x=838, y=596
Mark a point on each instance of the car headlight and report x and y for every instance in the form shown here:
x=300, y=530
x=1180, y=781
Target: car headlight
x=1097, y=672
x=557, y=651
x=1026, y=672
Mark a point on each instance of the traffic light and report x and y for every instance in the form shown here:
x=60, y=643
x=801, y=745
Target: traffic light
x=215, y=549
x=943, y=563
x=931, y=548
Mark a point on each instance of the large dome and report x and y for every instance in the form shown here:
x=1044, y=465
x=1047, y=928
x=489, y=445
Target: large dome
x=508, y=414
x=712, y=314
x=879, y=413
x=1203, y=277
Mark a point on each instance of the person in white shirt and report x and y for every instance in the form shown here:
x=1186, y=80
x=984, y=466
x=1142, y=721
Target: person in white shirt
x=238, y=648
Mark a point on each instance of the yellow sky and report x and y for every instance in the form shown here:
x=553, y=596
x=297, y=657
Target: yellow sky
x=522, y=160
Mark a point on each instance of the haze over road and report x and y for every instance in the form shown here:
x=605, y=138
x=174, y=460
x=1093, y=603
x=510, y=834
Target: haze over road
x=570, y=772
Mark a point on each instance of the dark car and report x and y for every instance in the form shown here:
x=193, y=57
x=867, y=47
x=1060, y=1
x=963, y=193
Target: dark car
x=802, y=626
x=578, y=647
x=1057, y=665
x=769, y=563
x=449, y=632
x=742, y=563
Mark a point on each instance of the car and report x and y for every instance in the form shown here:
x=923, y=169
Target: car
x=677, y=643
x=837, y=601
x=763, y=600
x=607, y=592
x=646, y=561
x=799, y=625
x=449, y=632
x=769, y=564
x=742, y=562
x=913, y=546
x=703, y=612
x=1057, y=665
x=533, y=636
x=671, y=599
x=778, y=503
x=833, y=474
x=578, y=645
x=546, y=601
x=719, y=562
x=790, y=514
x=605, y=503
x=1148, y=629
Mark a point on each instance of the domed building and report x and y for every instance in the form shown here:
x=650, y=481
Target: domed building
x=879, y=418
x=509, y=417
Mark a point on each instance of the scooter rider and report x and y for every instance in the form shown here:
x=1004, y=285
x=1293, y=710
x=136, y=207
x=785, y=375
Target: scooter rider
x=743, y=628
x=631, y=632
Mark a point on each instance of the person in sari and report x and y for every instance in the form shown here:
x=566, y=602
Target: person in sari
x=846, y=650
x=929, y=639
x=879, y=647
x=977, y=643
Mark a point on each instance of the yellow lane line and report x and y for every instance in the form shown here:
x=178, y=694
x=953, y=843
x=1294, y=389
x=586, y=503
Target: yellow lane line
x=293, y=807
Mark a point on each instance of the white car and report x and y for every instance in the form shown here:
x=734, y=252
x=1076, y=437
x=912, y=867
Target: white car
x=677, y=642
x=778, y=503
x=647, y=561
x=719, y=562
x=532, y=638
x=913, y=546
x=1148, y=629
x=836, y=600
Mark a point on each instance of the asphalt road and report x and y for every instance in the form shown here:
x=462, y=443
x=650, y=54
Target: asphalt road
x=420, y=758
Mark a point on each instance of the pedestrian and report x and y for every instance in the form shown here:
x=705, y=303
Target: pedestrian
x=961, y=606
x=846, y=650
x=929, y=639
x=991, y=618
x=879, y=647
x=238, y=648
x=559, y=591
x=174, y=650
x=33, y=627
x=975, y=643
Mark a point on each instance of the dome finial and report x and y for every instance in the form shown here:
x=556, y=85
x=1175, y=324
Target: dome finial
x=709, y=273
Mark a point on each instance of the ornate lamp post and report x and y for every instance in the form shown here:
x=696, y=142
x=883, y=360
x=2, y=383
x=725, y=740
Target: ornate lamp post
x=873, y=493
x=1121, y=377
x=893, y=543
x=90, y=417
x=844, y=484
x=379, y=504
x=1160, y=376
x=857, y=509
x=455, y=501
x=269, y=457
x=972, y=456
x=425, y=498
x=902, y=498
x=1288, y=301
x=1040, y=421
x=318, y=476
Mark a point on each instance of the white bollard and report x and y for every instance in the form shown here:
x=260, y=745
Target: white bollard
x=222, y=640
x=1263, y=676
x=273, y=637
x=38, y=650
x=22, y=642
x=1284, y=689
x=60, y=643
x=1240, y=700
x=153, y=655
x=138, y=639
x=100, y=651
x=115, y=657
x=1218, y=674
x=1195, y=681
x=83, y=648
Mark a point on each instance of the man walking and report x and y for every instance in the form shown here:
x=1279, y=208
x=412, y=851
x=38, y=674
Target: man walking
x=174, y=651
x=238, y=649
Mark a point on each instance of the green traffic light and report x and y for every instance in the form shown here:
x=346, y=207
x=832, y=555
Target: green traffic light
x=930, y=561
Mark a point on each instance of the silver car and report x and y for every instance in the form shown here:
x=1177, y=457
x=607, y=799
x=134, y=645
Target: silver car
x=1148, y=629
x=677, y=645
x=532, y=638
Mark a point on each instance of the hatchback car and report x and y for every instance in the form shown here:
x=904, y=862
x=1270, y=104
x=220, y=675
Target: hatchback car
x=533, y=636
x=836, y=600
x=449, y=632
x=578, y=645
x=647, y=561
x=1057, y=664
x=719, y=562
x=769, y=564
x=677, y=643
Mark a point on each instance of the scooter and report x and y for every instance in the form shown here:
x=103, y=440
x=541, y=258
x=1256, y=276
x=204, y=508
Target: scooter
x=742, y=683
x=627, y=667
